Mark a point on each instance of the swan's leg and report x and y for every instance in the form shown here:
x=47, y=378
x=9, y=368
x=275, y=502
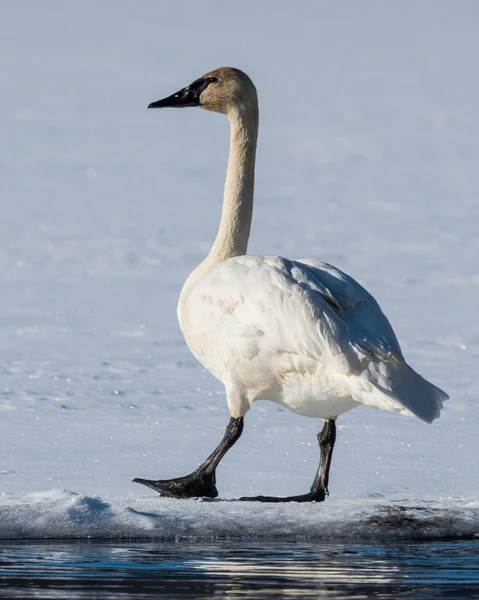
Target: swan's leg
x=202, y=481
x=319, y=489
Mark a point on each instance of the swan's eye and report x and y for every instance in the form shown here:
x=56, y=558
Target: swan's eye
x=212, y=79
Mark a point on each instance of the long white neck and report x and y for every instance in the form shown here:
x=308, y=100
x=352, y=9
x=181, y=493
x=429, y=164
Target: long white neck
x=233, y=233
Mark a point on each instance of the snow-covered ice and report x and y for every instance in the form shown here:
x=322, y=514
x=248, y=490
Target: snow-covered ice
x=62, y=514
x=369, y=146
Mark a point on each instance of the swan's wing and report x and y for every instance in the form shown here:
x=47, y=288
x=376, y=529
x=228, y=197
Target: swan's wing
x=369, y=328
x=386, y=381
x=271, y=305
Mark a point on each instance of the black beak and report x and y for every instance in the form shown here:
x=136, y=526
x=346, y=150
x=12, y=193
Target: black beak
x=183, y=98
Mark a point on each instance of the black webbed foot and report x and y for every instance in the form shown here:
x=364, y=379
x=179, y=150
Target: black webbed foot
x=319, y=489
x=197, y=484
x=316, y=496
x=202, y=482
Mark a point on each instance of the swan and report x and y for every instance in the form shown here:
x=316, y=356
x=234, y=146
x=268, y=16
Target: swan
x=298, y=332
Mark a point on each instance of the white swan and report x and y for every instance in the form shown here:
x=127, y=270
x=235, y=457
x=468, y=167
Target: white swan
x=298, y=332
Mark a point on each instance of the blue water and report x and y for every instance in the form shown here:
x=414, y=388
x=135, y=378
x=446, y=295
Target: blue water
x=240, y=570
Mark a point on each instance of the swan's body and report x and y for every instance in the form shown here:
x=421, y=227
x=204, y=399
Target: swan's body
x=298, y=332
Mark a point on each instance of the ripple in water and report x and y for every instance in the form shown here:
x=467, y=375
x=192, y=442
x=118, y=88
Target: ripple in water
x=238, y=570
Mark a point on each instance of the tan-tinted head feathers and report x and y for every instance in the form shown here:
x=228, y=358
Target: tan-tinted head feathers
x=223, y=90
x=232, y=90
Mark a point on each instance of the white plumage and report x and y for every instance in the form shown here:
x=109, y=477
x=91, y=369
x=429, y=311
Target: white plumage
x=303, y=334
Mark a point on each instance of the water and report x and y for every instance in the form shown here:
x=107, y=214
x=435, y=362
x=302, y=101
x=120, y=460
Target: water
x=240, y=570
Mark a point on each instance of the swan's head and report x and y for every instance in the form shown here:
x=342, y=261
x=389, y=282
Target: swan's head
x=223, y=90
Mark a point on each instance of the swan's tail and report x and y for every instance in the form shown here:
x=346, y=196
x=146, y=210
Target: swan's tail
x=398, y=388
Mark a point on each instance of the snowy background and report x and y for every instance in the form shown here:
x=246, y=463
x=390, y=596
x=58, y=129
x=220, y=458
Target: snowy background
x=368, y=159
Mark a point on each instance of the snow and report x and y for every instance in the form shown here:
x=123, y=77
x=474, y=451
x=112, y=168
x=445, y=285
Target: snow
x=369, y=145
x=63, y=514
